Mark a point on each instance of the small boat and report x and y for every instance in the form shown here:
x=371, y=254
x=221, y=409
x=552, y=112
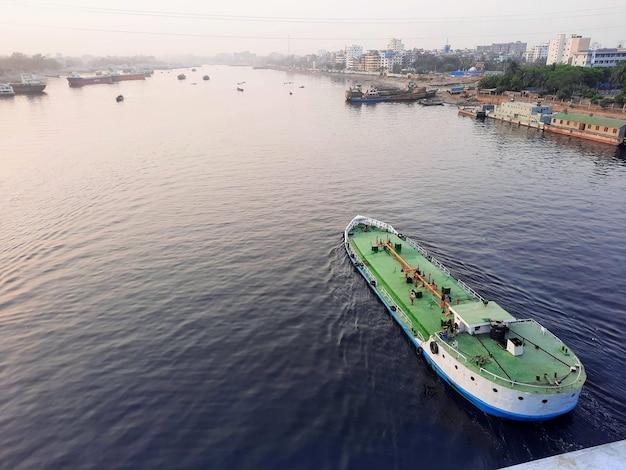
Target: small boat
x=478, y=112
x=431, y=102
x=6, y=90
x=206, y=77
x=119, y=98
x=239, y=89
x=181, y=76
x=507, y=367
x=357, y=95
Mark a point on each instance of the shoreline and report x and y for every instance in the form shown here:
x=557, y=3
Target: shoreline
x=473, y=98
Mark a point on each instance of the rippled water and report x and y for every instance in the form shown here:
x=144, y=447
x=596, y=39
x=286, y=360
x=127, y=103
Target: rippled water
x=173, y=292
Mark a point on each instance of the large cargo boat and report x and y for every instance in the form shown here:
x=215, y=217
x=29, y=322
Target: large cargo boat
x=78, y=81
x=120, y=77
x=28, y=85
x=357, y=94
x=507, y=367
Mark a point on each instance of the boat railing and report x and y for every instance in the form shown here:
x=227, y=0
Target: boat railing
x=546, y=388
x=418, y=247
x=452, y=350
x=360, y=219
x=436, y=262
x=369, y=273
x=359, y=263
x=398, y=310
x=469, y=290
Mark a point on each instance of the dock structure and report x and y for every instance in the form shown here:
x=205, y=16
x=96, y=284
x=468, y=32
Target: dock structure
x=612, y=455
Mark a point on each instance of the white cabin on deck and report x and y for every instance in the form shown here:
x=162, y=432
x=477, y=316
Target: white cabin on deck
x=476, y=318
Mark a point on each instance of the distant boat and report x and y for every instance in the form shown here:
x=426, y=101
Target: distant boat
x=78, y=81
x=28, y=85
x=119, y=77
x=356, y=94
x=206, y=77
x=6, y=90
x=119, y=98
x=431, y=102
x=301, y=86
x=239, y=89
x=181, y=76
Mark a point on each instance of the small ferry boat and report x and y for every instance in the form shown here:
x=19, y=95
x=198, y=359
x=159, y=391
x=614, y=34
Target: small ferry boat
x=507, y=367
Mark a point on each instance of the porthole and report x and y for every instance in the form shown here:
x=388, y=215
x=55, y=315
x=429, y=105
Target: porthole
x=495, y=390
x=472, y=378
x=456, y=367
x=544, y=401
x=520, y=398
x=443, y=355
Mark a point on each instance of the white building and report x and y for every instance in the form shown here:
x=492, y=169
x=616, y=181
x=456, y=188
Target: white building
x=599, y=57
x=526, y=113
x=537, y=52
x=562, y=48
x=352, y=54
x=395, y=45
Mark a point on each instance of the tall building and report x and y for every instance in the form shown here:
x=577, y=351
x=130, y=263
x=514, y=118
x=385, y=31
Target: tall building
x=514, y=49
x=371, y=61
x=395, y=45
x=537, y=52
x=352, y=54
x=562, y=48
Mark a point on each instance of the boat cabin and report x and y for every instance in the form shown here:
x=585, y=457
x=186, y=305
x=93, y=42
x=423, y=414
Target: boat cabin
x=476, y=318
x=487, y=317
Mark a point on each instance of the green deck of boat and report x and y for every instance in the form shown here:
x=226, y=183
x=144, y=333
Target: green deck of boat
x=545, y=356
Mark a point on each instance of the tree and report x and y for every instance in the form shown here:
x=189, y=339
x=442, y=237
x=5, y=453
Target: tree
x=619, y=73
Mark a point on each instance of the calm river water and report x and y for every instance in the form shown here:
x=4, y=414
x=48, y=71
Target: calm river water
x=174, y=294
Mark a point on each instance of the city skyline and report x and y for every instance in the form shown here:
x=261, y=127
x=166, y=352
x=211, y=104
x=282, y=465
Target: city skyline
x=159, y=28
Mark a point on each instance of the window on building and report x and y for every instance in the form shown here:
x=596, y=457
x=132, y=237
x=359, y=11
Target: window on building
x=614, y=131
x=568, y=123
x=606, y=129
x=561, y=121
x=597, y=128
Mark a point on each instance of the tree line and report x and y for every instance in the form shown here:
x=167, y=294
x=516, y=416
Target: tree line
x=563, y=81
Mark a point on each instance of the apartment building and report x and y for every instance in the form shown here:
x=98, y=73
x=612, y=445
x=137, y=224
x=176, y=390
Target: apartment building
x=599, y=57
x=537, y=52
x=562, y=48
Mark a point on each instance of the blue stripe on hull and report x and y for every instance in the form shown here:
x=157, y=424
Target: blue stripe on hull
x=481, y=405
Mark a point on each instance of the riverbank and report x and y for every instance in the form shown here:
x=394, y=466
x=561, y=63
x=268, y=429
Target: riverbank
x=443, y=82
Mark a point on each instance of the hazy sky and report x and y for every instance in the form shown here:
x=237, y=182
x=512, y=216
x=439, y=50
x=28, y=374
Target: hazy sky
x=158, y=27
